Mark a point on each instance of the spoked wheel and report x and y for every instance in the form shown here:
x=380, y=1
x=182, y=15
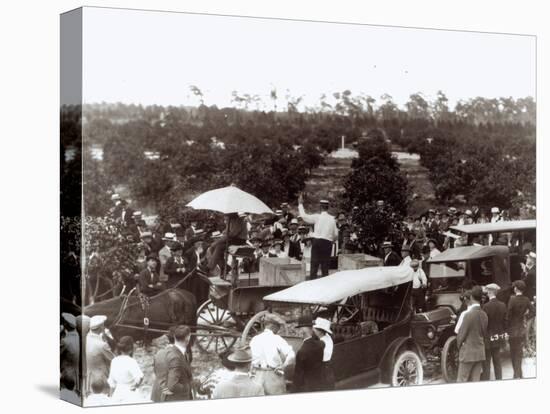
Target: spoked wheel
x=215, y=331
x=407, y=370
x=449, y=360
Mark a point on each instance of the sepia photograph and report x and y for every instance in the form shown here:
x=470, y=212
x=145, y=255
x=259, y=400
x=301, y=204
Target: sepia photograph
x=256, y=206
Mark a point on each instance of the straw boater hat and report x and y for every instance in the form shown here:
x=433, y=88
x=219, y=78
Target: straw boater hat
x=495, y=210
x=469, y=213
x=324, y=202
x=115, y=197
x=294, y=221
x=322, y=324
x=97, y=321
x=216, y=234
x=136, y=213
x=279, y=212
x=532, y=255
x=169, y=237
x=146, y=234
x=69, y=318
x=387, y=244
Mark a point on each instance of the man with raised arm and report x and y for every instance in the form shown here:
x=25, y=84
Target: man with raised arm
x=325, y=233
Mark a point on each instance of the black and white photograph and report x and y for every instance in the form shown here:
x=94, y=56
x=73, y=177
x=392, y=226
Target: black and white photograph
x=257, y=206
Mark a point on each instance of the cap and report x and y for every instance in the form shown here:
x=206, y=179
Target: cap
x=492, y=286
x=322, y=324
x=69, y=318
x=294, y=221
x=452, y=210
x=97, y=321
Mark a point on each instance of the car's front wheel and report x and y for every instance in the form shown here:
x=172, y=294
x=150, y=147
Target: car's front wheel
x=407, y=370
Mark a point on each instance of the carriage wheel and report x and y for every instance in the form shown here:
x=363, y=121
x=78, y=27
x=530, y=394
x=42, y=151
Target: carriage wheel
x=407, y=370
x=212, y=324
x=449, y=360
x=256, y=325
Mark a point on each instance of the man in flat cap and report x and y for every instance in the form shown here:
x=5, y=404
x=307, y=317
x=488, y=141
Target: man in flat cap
x=240, y=384
x=271, y=355
x=98, y=351
x=496, y=329
x=70, y=348
x=325, y=233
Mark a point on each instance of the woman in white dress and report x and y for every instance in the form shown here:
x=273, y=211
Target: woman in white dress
x=125, y=375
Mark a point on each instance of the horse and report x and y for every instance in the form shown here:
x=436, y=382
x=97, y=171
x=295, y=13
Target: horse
x=149, y=317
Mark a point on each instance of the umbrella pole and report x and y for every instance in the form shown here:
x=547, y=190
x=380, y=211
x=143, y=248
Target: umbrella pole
x=224, y=273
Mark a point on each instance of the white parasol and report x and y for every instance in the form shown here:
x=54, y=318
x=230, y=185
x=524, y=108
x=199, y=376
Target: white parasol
x=228, y=200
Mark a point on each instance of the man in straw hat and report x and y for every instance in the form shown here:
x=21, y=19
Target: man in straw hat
x=390, y=257
x=271, y=354
x=325, y=233
x=321, y=329
x=496, y=322
x=309, y=370
x=240, y=384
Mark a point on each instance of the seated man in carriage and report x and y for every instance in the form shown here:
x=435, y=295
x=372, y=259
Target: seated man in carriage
x=149, y=279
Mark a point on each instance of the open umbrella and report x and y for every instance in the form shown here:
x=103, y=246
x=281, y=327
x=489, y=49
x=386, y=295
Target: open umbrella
x=228, y=200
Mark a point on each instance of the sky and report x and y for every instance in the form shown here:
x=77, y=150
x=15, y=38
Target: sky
x=154, y=57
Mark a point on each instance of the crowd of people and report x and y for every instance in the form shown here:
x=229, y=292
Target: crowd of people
x=166, y=252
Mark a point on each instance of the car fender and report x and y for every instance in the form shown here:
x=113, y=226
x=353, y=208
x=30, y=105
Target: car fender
x=391, y=353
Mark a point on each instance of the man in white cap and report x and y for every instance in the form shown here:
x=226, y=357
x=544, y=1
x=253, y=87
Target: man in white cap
x=496, y=322
x=495, y=215
x=321, y=328
x=70, y=348
x=98, y=351
x=271, y=354
x=325, y=232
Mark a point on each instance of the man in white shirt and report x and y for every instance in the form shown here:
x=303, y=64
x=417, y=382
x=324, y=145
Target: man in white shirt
x=271, y=354
x=325, y=233
x=419, y=285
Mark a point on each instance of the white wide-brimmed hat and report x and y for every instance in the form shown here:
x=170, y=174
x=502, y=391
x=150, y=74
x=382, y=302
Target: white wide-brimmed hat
x=97, y=321
x=322, y=324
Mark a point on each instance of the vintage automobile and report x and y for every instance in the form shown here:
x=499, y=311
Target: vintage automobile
x=371, y=314
x=519, y=235
x=433, y=330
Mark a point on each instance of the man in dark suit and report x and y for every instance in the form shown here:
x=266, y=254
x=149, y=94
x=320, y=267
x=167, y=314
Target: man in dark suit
x=530, y=275
x=149, y=279
x=471, y=338
x=496, y=328
x=173, y=375
x=175, y=265
x=519, y=310
x=309, y=370
x=390, y=257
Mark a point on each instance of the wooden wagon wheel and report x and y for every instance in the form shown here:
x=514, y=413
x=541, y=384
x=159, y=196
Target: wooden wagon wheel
x=256, y=325
x=449, y=360
x=215, y=329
